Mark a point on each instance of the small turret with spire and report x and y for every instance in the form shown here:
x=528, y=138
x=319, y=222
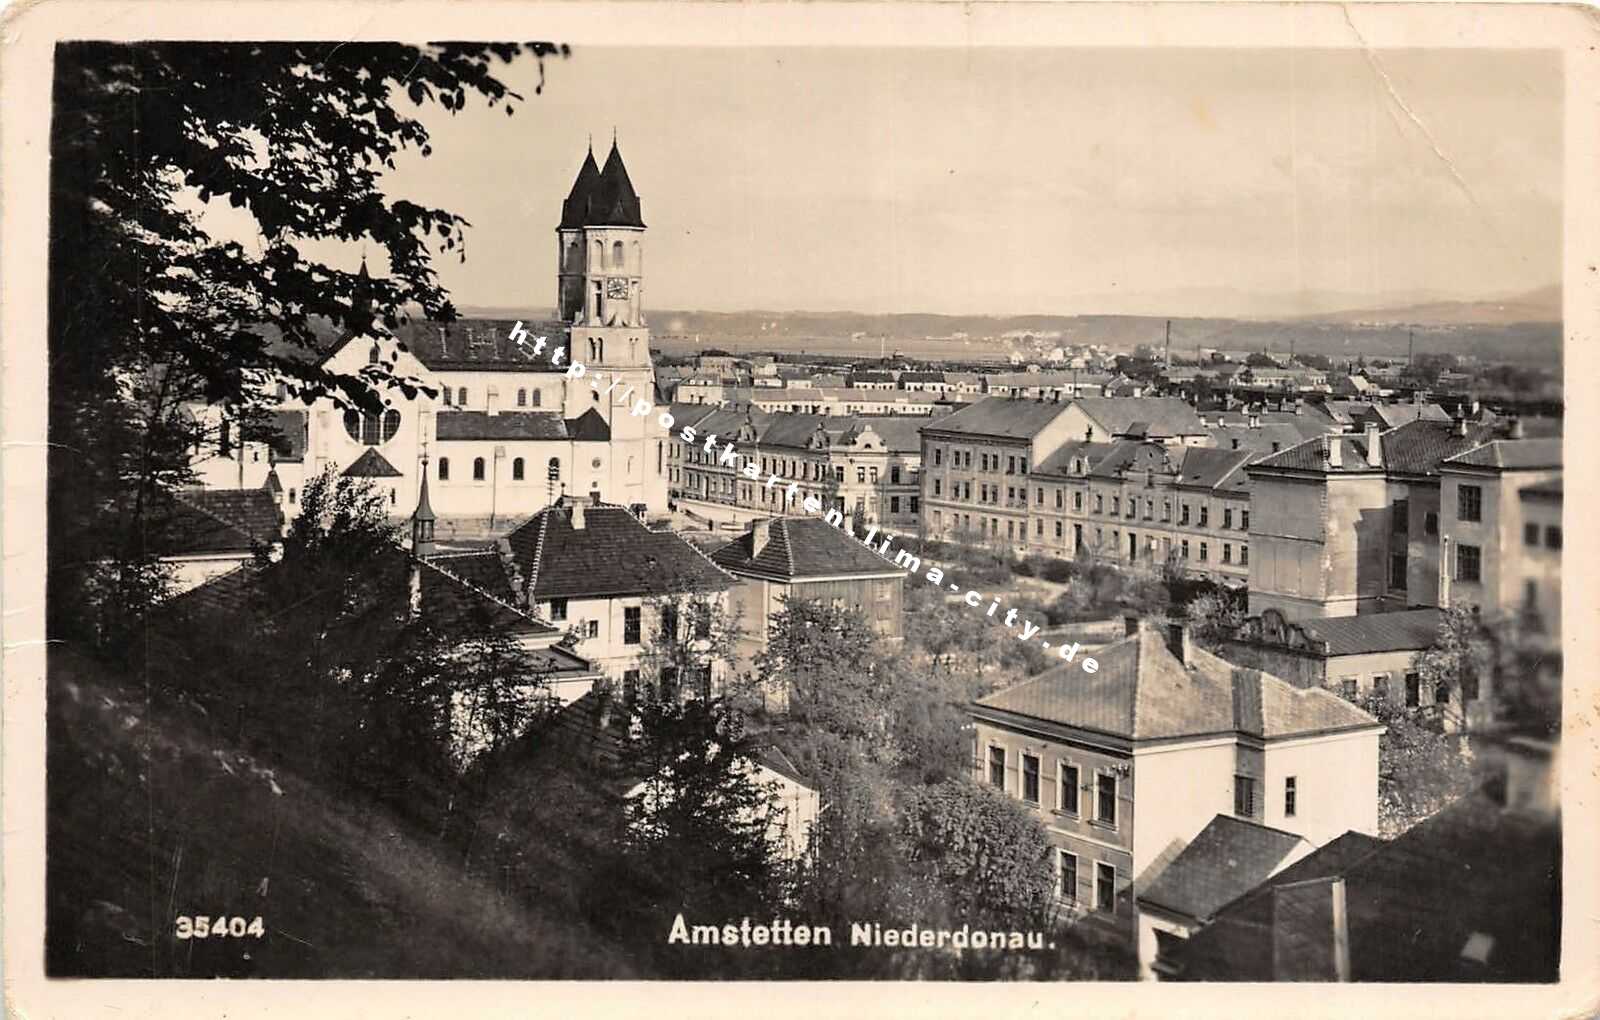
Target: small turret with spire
x=422, y=520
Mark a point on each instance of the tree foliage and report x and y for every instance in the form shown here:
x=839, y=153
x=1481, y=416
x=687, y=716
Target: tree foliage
x=1420, y=768
x=150, y=312
x=983, y=848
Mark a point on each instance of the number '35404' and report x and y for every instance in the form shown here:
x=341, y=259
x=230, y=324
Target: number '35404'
x=202, y=927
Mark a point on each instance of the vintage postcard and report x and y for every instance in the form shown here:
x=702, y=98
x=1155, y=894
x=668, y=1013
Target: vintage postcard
x=844, y=509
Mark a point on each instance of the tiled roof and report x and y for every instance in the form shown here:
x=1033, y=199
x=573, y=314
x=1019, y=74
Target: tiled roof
x=372, y=464
x=1227, y=859
x=901, y=433
x=589, y=427
x=1162, y=416
x=612, y=555
x=906, y=377
x=1316, y=455
x=1142, y=692
x=447, y=599
x=1512, y=455
x=1000, y=416
x=483, y=345
x=1412, y=906
x=205, y=521
x=285, y=431
x=1060, y=462
x=794, y=431
x=1372, y=632
x=482, y=568
x=876, y=377
x=468, y=425
x=802, y=547
x=1212, y=469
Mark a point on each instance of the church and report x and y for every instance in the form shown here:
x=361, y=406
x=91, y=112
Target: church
x=507, y=432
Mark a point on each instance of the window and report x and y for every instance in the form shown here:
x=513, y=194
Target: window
x=1185, y=547
x=516, y=470
x=1469, y=503
x=1038, y=526
x=1413, y=690
x=861, y=474
x=1244, y=556
x=997, y=767
x=1058, y=529
x=1030, y=778
x=1430, y=523
x=1205, y=516
x=1105, y=809
x=591, y=626
x=1349, y=689
x=1244, y=796
x=1469, y=563
x=1227, y=517
x=1058, y=499
x=894, y=474
x=1068, y=877
x=538, y=398
x=522, y=397
x=291, y=497
x=372, y=429
x=616, y=254
x=1067, y=795
x=873, y=477
x=1011, y=465
x=477, y=469
x=630, y=686
x=1183, y=513
x=914, y=501
x=444, y=469
x=558, y=610
x=461, y=396
x=1552, y=537
x=1022, y=462
x=1038, y=497
x=1397, y=569
x=1077, y=501
x=702, y=620
x=1400, y=517
x=1116, y=505
x=1530, y=534
x=554, y=469
x=1227, y=553
x=894, y=504
x=1244, y=520
x=1099, y=502
x=938, y=456
x=1203, y=552
x=1105, y=888
x=1288, y=797
x=630, y=625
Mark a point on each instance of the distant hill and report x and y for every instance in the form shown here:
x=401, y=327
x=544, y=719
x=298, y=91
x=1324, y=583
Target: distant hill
x=1524, y=328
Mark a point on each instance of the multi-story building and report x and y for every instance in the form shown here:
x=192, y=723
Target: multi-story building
x=504, y=427
x=1126, y=765
x=1165, y=420
x=1540, y=564
x=863, y=466
x=806, y=558
x=1483, y=536
x=595, y=571
x=1145, y=504
x=975, y=466
x=1347, y=524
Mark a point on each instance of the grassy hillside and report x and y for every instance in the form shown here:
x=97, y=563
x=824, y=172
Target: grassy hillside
x=151, y=818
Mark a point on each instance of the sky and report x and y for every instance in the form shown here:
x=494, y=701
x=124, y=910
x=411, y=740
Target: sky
x=1007, y=181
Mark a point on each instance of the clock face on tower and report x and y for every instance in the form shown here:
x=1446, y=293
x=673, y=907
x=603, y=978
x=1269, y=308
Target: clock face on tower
x=617, y=288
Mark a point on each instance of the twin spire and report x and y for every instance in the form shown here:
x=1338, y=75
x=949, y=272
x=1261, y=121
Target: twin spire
x=602, y=197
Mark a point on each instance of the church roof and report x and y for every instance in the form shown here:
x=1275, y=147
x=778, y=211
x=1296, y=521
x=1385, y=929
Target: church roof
x=371, y=464
x=602, y=197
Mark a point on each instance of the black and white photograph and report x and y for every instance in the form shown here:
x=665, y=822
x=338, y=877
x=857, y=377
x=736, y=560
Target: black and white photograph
x=915, y=493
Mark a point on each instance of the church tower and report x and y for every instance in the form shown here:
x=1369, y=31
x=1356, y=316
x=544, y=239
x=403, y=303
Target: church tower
x=600, y=264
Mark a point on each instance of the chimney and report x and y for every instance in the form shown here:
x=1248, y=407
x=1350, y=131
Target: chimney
x=1235, y=444
x=1514, y=429
x=1460, y=430
x=1299, y=405
x=576, y=515
x=1476, y=409
x=594, y=497
x=602, y=696
x=760, y=533
x=1178, y=642
x=1255, y=421
x=1374, y=446
x=1335, y=454
x=1130, y=624
x=493, y=401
